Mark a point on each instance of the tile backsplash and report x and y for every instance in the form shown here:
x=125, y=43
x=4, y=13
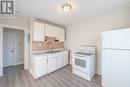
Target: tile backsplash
x=49, y=43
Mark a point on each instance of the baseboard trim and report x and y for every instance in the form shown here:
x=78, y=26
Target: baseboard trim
x=1, y=73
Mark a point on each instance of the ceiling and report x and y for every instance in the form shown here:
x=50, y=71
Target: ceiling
x=81, y=9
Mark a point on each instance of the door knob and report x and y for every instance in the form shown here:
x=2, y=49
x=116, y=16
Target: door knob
x=12, y=51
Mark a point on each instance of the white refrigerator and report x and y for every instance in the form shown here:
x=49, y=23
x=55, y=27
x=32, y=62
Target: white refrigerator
x=116, y=58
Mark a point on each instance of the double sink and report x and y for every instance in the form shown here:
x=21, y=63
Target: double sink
x=52, y=52
x=47, y=52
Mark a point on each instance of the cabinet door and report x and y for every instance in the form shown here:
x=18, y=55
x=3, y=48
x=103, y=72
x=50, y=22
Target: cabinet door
x=54, y=31
x=61, y=35
x=65, y=59
x=52, y=63
x=40, y=67
x=43, y=68
x=60, y=61
x=38, y=31
x=51, y=31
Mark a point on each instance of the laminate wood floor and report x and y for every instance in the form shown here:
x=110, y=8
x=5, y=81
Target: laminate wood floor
x=18, y=77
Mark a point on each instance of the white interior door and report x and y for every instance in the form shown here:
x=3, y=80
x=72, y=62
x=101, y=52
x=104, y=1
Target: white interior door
x=9, y=49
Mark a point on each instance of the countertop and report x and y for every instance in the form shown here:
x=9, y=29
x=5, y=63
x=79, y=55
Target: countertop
x=46, y=52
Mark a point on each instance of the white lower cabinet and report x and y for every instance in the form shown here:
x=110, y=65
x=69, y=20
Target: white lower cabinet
x=39, y=67
x=52, y=64
x=60, y=63
x=65, y=59
x=44, y=64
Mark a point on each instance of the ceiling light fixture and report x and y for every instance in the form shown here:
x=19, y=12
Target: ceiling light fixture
x=66, y=7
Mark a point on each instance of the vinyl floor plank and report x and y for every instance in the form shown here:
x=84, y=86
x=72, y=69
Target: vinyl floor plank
x=18, y=77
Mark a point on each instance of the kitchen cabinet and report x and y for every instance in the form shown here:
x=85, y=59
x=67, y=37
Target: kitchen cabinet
x=61, y=36
x=39, y=66
x=60, y=63
x=54, y=31
x=51, y=31
x=65, y=59
x=44, y=63
x=38, y=32
x=52, y=64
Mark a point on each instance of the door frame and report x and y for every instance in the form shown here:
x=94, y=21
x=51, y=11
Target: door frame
x=26, y=45
x=14, y=59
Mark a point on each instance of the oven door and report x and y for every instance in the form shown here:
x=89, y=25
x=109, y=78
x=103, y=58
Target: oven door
x=81, y=63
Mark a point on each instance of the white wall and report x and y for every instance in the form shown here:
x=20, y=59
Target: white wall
x=1, y=51
x=17, y=21
x=19, y=44
x=89, y=32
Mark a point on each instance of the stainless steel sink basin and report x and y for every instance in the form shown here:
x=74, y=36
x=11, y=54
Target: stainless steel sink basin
x=52, y=51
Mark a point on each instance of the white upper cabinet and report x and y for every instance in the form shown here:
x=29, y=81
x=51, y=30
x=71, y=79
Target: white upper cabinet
x=54, y=31
x=51, y=31
x=61, y=35
x=38, y=31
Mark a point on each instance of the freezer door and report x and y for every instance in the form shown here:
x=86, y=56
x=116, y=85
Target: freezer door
x=116, y=39
x=116, y=68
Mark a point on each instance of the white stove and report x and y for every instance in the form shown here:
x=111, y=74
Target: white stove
x=84, y=63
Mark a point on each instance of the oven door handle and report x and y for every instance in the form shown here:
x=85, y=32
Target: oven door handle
x=81, y=57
